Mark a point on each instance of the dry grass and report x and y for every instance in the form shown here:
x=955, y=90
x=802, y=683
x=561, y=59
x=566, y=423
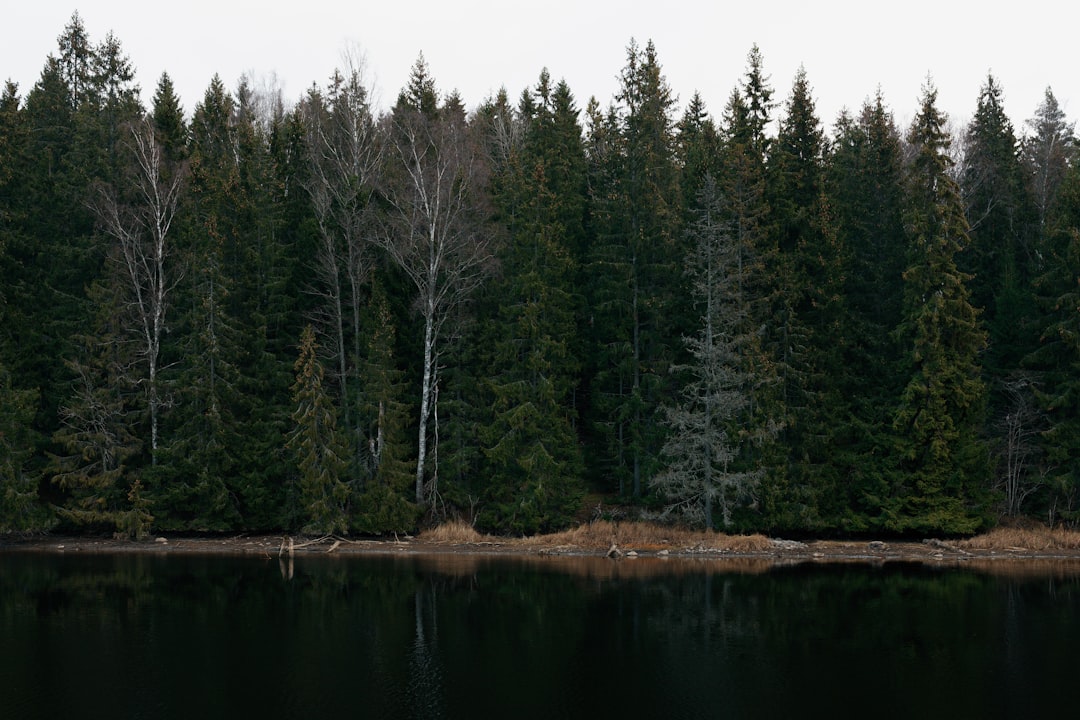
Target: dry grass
x=1026, y=538
x=602, y=534
x=454, y=532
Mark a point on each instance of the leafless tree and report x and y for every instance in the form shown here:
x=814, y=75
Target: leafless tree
x=434, y=182
x=139, y=217
x=1020, y=425
x=344, y=157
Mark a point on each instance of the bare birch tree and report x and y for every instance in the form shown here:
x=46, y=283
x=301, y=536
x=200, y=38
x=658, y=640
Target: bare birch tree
x=344, y=158
x=434, y=180
x=139, y=218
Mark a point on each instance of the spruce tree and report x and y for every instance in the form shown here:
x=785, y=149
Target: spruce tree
x=941, y=411
x=805, y=302
x=99, y=443
x=1056, y=359
x=1048, y=149
x=319, y=454
x=866, y=195
x=384, y=501
x=1001, y=217
x=195, y=485
x=534, y=462
x=20, y=508
x=742, y=184
x=638, y=217
x=710, y=466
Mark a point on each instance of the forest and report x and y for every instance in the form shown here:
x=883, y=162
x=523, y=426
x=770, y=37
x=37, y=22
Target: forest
x=317, y=316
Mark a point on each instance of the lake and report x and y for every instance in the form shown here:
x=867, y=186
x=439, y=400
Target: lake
x=195, y=637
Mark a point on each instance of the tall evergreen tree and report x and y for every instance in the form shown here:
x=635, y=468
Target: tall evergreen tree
x=743, y=185
x=169, y=121
x=20, y=509
x=805, y=301
x=1000, y=214
x=698, y=152
x=1048, y=150
x=867, y=198
x=638, y=218
x=710, y=468
x=941, y=409
x=384, y=503
x=533, y=456
x=203, y=437
x=99, y=445
x=320, y=454
x=1056, y=358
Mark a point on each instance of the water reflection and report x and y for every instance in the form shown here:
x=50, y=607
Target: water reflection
x=475, y=636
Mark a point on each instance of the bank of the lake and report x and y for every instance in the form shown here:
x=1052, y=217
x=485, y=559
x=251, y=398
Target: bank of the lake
x=629, y=541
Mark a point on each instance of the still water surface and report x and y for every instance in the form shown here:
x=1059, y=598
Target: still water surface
x=195, y=637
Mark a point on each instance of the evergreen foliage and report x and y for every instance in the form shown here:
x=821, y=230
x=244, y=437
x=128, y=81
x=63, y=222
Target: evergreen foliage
x=320, y=455
x=534, y=462
x=742, y=320
x=940, y=416
x=865, y=190
x=710, y=467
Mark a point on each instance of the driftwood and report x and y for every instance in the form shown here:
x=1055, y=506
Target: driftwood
x=288, y=546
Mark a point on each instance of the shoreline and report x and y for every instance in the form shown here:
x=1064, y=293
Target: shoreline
x=777, y=551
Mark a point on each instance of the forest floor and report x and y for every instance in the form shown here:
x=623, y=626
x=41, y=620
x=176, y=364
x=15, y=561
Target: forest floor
x=618, y=541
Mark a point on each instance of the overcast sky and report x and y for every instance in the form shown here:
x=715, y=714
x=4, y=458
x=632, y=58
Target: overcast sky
x=849, y=48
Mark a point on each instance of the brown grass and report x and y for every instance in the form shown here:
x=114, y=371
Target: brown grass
x=1025, y=538
x=602, y=534
x=453, y=532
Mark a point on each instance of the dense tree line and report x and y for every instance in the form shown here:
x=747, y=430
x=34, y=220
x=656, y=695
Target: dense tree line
x=329, y=318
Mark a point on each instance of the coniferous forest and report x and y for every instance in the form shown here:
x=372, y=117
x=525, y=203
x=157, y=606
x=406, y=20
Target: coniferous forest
x=315, y=316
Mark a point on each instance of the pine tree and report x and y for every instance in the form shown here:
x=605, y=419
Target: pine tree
x=318, y=451
x=941, y=409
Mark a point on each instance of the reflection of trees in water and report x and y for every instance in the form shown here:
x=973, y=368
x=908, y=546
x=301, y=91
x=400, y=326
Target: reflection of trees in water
x=425, y=689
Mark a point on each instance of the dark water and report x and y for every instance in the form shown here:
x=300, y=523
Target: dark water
x=393, y=637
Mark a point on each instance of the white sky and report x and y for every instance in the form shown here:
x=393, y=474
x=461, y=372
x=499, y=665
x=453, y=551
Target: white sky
x=849, y=48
